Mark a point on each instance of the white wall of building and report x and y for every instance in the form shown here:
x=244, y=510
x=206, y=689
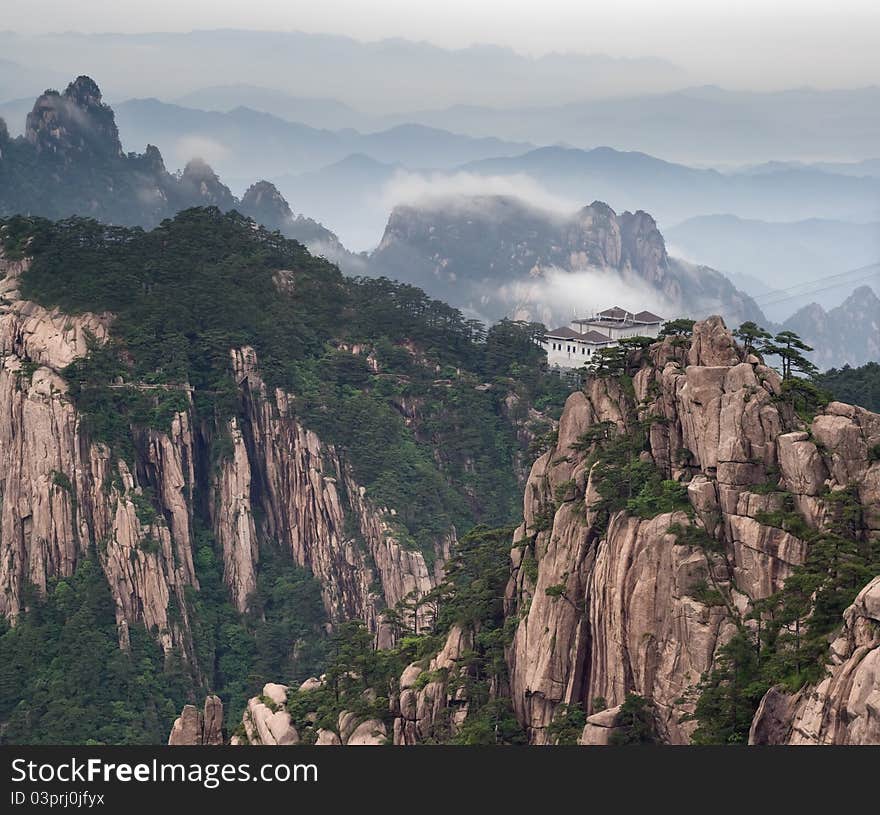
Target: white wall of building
x=569, y=353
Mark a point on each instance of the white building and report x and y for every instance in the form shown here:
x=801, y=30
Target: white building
x=575, y=345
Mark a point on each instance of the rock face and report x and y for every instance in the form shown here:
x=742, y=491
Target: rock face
x=307, y=497
x=70, y=161
x=623, y=613
x=61, y=492
x=194, y=727
x=608, y=606
x=844, y=708
x=439, y=245
x=428, y=710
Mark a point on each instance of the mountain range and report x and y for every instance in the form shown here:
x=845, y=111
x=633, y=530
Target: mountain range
x=673, y=193
x=784, y=264
x=381, y=76
x=492, y=255
x=497, y=256
x=245, y=142
x=342, y=511
x=70, y=161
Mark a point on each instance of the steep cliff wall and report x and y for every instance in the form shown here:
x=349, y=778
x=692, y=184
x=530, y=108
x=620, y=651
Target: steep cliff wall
x=640, y=597
x=63, y=494
x=617, y=609
x=311, y=505
x=844, y=708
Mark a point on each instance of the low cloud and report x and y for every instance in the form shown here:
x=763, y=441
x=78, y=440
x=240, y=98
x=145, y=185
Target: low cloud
x=193, y=146
x=459, y=190
x=556, y=296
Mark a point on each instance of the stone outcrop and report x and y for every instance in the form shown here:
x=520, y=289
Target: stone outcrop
x=425, y=708
x=311, y=505
x=618, y=609
x=266, y=721
x=844, y=708
x=600, y=728
x=63, y=493
x=195, y=727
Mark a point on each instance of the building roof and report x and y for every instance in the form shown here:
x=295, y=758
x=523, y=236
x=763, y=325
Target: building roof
x=595, y=337
x=566, y=333
x=647, y=317
x=614, y=313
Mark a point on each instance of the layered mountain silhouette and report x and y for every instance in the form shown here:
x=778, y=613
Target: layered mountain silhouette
x=70, y=161
x=497, y=256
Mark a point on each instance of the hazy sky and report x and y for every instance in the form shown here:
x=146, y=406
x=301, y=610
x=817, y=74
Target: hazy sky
x=748, y=42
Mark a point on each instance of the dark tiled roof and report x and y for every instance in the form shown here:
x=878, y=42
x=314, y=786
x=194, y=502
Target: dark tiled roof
x=615, y=313
x=647, y=317
x=568, y=334
x=595, y=336
x=565, y=332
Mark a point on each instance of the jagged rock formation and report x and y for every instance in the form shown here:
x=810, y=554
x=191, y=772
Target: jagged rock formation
x=632, y=623
x=267, y=722
x=432, y=710
x=848, y=334
x=844, y=708
x=608, y=611
x=63, y=493
x=307, y=495
x=608, y=605
x=56, y=123
x=492, y=254
x=70, y=161
x=199, y=727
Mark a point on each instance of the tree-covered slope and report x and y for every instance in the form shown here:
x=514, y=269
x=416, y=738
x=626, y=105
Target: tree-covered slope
x=431, y=413
x=858, y=386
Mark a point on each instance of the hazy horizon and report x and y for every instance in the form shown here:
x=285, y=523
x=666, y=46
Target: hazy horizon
x=790, y=44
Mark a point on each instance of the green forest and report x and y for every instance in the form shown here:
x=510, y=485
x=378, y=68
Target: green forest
x=856, y=386
x=183, y=295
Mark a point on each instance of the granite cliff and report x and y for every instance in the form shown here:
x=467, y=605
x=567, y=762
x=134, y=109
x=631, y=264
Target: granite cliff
x=681, y=511
x=498, y=255
x=70, y=161
x=63, y=493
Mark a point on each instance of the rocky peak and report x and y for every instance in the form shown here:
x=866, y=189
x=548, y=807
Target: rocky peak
x=76, y=122
x=200, y=183
x=196, y=727
x=712, y=344
x=625, y=241
x=84, y=92
x=266, y=205
x=153, y=159
x=485, y=253
x=846, y=334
